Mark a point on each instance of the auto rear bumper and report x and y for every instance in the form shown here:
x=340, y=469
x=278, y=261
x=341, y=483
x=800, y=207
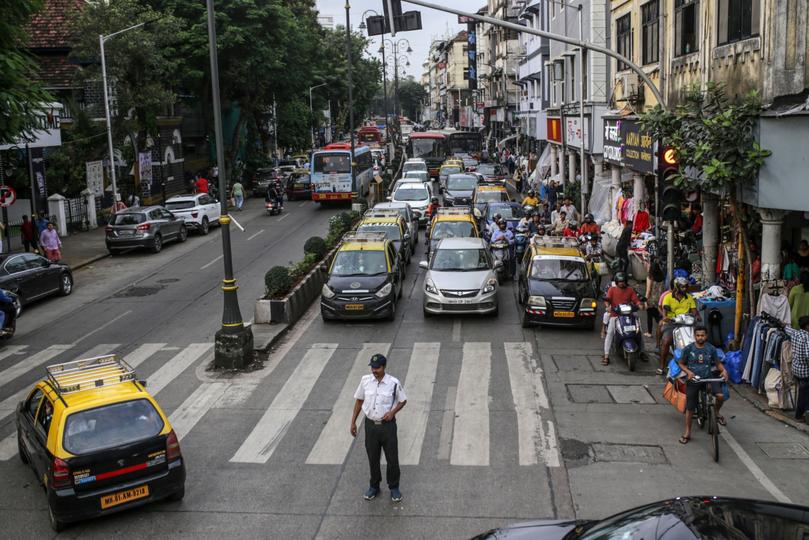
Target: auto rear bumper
x=546, y=317
x=68, y=506
x=481, y=304
x=130, y=242
x=376, y=308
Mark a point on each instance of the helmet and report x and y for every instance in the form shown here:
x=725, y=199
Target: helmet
x=497, y=217
x=572, y=224
x=434, y=200
x=593, y=237
x=619, y=277
x=680, y=283
x=531, y=193
x=522, y=228
x=588, y=217
x=502, y=223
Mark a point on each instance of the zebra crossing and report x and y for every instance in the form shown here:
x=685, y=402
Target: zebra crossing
x=462, y=420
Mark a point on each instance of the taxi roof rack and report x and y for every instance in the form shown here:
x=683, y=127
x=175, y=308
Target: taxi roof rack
x=554, y=241
x=454, y=211
x=370, y=236
x=96, y=372
x=381, y=212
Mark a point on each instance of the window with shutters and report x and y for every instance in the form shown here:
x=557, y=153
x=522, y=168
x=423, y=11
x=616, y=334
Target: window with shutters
x=623, y=38
x=650, y=20
x=686, y=26
x=737, y=20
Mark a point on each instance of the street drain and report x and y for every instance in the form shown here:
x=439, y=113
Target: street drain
x=168, y=280
x=575, y=453
x=137, y=292
x=629, y=453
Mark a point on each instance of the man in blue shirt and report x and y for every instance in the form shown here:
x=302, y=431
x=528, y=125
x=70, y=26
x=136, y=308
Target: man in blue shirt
x=700, y=359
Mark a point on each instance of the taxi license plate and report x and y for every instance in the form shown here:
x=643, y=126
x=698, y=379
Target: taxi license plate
x=122, y=497
x=355, y=307
x=564, y=314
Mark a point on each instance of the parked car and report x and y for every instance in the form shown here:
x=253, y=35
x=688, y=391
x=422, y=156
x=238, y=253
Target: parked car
x=32, y=277
x=144, y=227
x=199, y=211
x=299, y=185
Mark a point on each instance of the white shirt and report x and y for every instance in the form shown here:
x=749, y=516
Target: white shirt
x=377, y=396
x=570, y=210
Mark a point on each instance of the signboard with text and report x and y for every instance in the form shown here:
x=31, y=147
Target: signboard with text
x=145, y=168
x=95, y=177
x=625, y=144
x=555, y=130
x=573, y=132
x=48, y=131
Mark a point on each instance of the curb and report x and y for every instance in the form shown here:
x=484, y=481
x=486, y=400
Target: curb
x=264, y=341
x=772, y=413
x=87, y=262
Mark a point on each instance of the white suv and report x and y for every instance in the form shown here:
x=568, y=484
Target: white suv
x=199, y=211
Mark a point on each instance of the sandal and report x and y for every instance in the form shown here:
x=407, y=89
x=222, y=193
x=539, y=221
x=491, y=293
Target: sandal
x=605, y=361
x=721, y=420
x=684, y=439
x=647, y=334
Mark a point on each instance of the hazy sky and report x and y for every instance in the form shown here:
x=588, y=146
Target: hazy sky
x=435, y=24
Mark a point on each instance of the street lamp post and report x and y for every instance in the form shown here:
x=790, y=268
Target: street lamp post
x=312, y=111
x=395, y=46
x=384, y=71
x=351, y=98
x=233, y=346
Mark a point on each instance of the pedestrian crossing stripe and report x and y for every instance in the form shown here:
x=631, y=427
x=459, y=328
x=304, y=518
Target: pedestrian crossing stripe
x=468, y=433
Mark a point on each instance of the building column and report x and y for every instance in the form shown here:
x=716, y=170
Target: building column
x=638, y=189
x=572, y=159
x=554, y=161
x=771, y=224
x=710, y=237
x=615, y=187
x=562, y=177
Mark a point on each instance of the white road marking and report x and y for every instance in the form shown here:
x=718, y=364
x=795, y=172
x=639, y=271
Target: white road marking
x=211, y=263
x=470, y=436
x=102, y=327
x=334, y=442
x=447, y=421
x=529, y=397
x=34, y=361
x=282, y=218
x=754, y=469
x=456, y=330
x=8, y=447
x=10, y=350
x=304, y=203
x=139, y=355
x=270, y=429
x=179, y=363
x=419, y=387
x=254, y=235
x=186, y=416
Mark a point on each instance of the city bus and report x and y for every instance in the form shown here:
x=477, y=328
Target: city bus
x=370, y=135
x=331, y=173
x=431, y=146
x=465, y=142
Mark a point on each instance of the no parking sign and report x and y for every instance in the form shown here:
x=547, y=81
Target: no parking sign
x=7, y=196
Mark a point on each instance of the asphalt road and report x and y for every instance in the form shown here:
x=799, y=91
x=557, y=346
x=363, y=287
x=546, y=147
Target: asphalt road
x=503, y=424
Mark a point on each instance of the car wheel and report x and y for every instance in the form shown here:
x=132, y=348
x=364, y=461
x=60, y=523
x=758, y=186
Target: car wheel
x=177, y=495
x=56, y=525
x=426, y=313
x=21, y=450
x=524, y=320
x=65, y=284
x=183, y=234
x=157, y=244
x=206, y=227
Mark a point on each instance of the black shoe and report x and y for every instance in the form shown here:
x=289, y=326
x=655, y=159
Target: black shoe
x=371, y=493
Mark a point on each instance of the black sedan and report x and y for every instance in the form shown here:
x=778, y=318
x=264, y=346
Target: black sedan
x=32, y=277
x=683, y=518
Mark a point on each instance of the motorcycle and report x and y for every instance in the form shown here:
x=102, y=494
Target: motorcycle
x=683, y=334
x=520, y=242
x=273, y=208
x=10, y=311
x=627, y=340
x=501, y=252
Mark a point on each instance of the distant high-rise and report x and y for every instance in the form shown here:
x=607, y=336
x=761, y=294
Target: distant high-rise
x=326, y=21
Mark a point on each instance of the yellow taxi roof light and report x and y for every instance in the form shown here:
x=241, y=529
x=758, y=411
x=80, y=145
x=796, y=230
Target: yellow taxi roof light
x=361, y=237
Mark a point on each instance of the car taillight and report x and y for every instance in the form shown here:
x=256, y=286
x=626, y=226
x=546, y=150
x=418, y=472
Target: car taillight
x=60, y=473
x=144, y=226
x=108, y=228
x=194, y=214
x=172, y=446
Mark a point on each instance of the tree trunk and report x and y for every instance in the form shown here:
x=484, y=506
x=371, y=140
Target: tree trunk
x=747, y=262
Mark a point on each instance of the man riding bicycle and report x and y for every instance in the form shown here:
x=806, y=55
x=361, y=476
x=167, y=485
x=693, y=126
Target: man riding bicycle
x=700, y=360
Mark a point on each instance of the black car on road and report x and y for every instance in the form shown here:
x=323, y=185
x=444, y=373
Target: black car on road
x=31, y=276
x=459, y=189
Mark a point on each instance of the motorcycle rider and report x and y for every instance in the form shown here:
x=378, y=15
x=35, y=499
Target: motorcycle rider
x=592, y=249
x=679, y=302
x=433, y=207
x=9, y=310
x=589, y=226
x=274, y=193
x=493, y=226
x=571, y=231
x=620, y=293
x=521, y=239
x=531, y=199
x=503, y=234
x=535, y=224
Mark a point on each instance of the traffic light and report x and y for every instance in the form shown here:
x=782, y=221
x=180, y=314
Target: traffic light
x=396, y=21
x=671, y=197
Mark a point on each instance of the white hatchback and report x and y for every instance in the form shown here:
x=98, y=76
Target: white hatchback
x=416, y=194
x=199, y=211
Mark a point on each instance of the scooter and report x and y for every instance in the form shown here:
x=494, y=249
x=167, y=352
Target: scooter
x=683, y=334
x=501, y=252
x=273, y=208
x=10, y=311
x=627, y=339
x=520, y=242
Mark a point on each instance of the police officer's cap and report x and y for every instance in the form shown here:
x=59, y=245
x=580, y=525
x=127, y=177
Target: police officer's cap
x=378, y=360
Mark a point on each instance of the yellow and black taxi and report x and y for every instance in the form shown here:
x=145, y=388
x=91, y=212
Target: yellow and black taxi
x=555, y=284
x=395, y=228
x=97, y=441
x=489, y=192
x=453, y=222
x=365, y=279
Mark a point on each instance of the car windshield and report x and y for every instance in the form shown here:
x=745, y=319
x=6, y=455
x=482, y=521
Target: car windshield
x=359, y=263
x=414, y=166
x=507, y=211
x=391, y=230
x=410, y=194
x=558, y=269
x=111, y=426
x=462, y=183
x=490, y=196
x=127, y=218
x=180, y=205
x=450, y=170
x=452, y=229
x=460, y=260
x=332, y=163
x=419, y=175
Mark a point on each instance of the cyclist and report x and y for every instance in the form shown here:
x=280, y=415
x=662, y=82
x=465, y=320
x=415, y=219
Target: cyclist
x=700, y=359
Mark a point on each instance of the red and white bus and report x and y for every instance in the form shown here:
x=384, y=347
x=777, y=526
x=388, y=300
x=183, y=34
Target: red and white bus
x=431, y=146
x=331, y=173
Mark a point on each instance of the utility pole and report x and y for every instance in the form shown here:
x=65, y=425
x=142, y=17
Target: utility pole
x=582, y=155
x=351, y=98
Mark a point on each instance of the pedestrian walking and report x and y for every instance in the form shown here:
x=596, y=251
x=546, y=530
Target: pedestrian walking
x=41, y=223
x=133, y=200
x=50, y=242
x=238, y=194
x=2, y=235
x=380, y=397
x=28, y=234
x=201, y=184
x=800, y=366
x=518, y=181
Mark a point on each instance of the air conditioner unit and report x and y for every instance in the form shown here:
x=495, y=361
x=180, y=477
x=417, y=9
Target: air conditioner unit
x=630, y=82
x=521, y=50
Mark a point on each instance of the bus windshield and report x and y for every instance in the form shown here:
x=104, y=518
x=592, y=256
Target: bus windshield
x=427, y=148
x=332, y=163
x=464, y=143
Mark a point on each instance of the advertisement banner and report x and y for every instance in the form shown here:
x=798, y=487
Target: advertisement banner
x=145, y=168
x=625, y=144
x=95, y=177
x=573, y=132
x=472, y=55
x=48, y=131
x=612, y=142
x=555, y=130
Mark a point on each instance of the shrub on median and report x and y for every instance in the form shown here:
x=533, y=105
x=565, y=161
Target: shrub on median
x=277, y=281
x=317, y=246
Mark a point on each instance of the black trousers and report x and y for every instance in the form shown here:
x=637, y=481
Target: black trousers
x=379, y=437
x=653, y=317
x=802, y=401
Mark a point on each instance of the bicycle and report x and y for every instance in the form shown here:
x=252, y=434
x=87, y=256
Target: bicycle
x=706, y=413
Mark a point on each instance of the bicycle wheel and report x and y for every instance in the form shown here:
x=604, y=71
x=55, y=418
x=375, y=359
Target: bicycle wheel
x=713, y=430
x=701, y=410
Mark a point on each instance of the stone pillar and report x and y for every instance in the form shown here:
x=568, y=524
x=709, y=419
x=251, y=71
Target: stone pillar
x=770, y=249
x=562, y=177
x=710, y=237
x=615, y=187
x=57, y=212
x=90, y=201
x=638, y=189
x=572, y=159
x=554, y=160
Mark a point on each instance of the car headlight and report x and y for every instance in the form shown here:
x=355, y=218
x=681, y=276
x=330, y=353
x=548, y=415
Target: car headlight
x=430, y=287
x=588, y=304
x=327, y=292
x=536, y=301
x=490, y=286
x=384, y=291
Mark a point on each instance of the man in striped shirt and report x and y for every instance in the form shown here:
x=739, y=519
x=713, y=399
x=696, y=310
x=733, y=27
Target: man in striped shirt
x=800, y=365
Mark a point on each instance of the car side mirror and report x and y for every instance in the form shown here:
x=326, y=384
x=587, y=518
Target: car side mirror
x=389, y=197
x=324, y=268
x=424, y=264
x=407, y=236
x=498, y=264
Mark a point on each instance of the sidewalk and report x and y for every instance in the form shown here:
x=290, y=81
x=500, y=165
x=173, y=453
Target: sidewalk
x=84, y=248
x=759, y=401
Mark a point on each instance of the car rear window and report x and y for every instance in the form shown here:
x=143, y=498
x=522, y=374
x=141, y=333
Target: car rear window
x=111, y=426
x=127, y=219
x=180, y=205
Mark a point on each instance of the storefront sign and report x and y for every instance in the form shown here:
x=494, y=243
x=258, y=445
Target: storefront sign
x=625, y=144
x=48, y=131
x=573, y=135
x=555, y=130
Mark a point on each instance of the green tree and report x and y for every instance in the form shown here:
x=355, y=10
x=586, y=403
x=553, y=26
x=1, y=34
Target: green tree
x=20, y=93
x=411, y=95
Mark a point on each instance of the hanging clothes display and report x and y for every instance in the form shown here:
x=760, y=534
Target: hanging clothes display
x=773, y=302
x=763, y=349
